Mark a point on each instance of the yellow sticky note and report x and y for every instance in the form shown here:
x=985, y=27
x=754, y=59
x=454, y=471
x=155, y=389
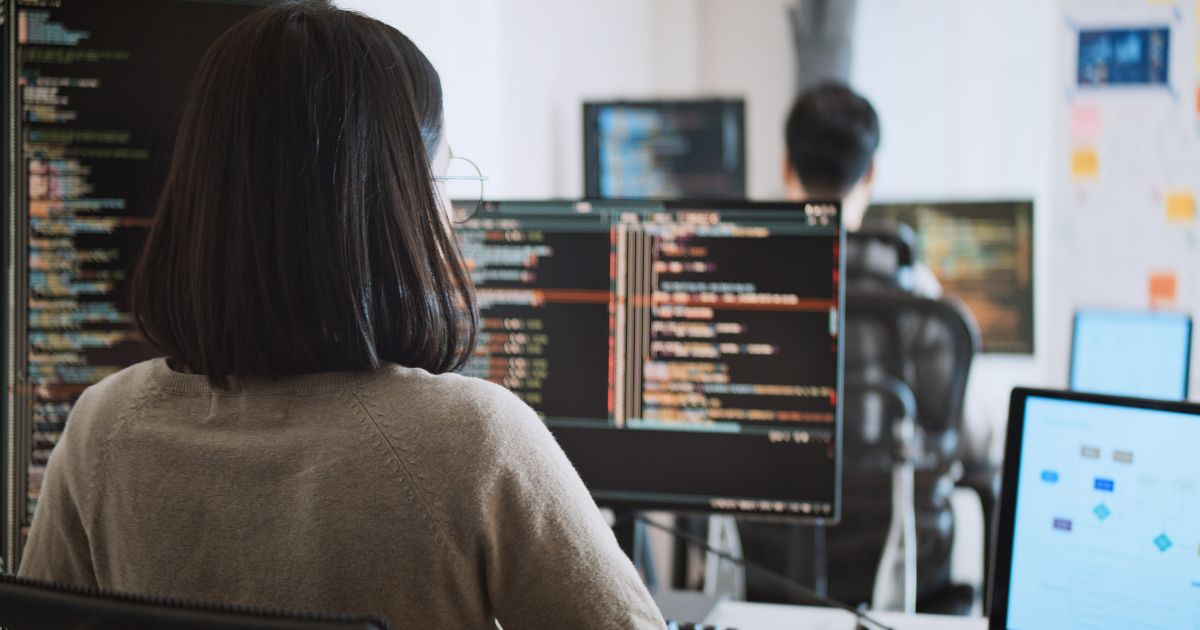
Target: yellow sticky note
x=1085, y=163
x=1181, y=206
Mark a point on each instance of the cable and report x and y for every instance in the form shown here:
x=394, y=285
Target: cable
x=778, y=579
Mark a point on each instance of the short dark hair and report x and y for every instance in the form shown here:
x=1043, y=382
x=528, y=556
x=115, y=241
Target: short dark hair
x=299, y=229
x=832, y=135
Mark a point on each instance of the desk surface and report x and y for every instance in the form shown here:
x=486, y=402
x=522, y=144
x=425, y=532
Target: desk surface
x=749, y=616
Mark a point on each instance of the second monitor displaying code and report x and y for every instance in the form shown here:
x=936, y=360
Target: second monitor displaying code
x=644, y=331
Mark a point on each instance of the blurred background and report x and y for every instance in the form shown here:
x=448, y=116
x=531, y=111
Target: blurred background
x=963, y=91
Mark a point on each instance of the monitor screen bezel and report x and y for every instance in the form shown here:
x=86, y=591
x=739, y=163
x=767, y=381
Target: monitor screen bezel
x=1002, y=547
x=1187, y=354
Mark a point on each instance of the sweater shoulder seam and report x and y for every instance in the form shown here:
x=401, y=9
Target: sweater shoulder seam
x=403, y=467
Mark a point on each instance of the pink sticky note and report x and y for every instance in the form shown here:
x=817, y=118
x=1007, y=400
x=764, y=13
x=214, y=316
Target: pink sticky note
x=1085, y=121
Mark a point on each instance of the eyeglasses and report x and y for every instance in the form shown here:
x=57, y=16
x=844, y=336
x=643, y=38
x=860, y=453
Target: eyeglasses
x=464, y=186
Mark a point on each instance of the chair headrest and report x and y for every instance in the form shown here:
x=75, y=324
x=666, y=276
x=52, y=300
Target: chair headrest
x=880, y=251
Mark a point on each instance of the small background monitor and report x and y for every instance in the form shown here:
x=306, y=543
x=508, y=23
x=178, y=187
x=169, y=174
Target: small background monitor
x=982, y=253
x=665, y=149
x=1131, y=353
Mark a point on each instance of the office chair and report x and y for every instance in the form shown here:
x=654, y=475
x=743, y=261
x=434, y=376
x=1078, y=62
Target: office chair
x=34, y=605
x=924, y=346
x=879, y=255
x=905, y=357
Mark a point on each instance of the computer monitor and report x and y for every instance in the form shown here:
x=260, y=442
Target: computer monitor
x=1131, y=353
x=686, y=356
x=982, y=253
x=1098, y=521
x=93, y=95
x=665, y=149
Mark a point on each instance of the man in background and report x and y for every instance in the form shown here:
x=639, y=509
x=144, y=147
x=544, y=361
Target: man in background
x=832, y=135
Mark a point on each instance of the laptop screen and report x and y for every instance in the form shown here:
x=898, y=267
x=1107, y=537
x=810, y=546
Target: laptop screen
x=1142, y=354
x=1107, y=524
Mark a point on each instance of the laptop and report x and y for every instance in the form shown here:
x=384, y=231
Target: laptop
x=1099, y=519
x=1131, y=353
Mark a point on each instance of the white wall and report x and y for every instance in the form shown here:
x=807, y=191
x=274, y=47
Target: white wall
x=746, y=50
x=516, y=73
x=963, y=90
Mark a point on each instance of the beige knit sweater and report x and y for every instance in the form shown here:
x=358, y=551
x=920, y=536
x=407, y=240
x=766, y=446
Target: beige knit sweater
x=435, y=501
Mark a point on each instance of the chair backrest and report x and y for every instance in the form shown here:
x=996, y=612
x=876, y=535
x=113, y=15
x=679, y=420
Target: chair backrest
x=879, y=254
x=926, y=346
x=903, y=353
x=35, y=605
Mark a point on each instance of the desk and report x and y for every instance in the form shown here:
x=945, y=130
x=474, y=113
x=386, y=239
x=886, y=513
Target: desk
x=748, y=616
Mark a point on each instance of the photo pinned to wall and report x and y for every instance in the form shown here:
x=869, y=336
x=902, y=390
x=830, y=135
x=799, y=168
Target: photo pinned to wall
x=1124, y=57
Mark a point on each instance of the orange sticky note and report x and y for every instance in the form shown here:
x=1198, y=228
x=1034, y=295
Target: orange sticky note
x=1163, y=287
x=1085, y=122
x=1085, y=163
x=1181, y=206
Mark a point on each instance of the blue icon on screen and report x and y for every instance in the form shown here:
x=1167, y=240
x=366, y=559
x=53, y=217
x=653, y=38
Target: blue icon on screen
x=1049, y=476
x=1104, y=485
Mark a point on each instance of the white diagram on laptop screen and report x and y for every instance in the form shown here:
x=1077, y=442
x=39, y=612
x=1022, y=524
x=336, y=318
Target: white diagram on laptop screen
x=1107, y=531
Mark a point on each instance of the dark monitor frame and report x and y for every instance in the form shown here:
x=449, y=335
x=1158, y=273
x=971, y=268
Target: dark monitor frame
x=13, y=190
x=834, y=518
x=1033, y=254
x=1187, y=358
x=591, y=148
x=1002, y=549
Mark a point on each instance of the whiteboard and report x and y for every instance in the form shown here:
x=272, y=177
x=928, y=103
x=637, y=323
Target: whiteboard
x=1126, y=163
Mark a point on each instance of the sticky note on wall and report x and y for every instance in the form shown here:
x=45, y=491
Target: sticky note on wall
x=1085, y=163
x=1181, y=206
x=1164, y=288
x=1085, y=122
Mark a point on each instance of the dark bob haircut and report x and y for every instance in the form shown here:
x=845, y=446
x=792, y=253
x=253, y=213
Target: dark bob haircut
x=832, y=135
x=299, y=230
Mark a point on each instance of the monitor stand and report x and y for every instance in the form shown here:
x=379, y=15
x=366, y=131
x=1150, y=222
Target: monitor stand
x=807, y=559
x=632, y=537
